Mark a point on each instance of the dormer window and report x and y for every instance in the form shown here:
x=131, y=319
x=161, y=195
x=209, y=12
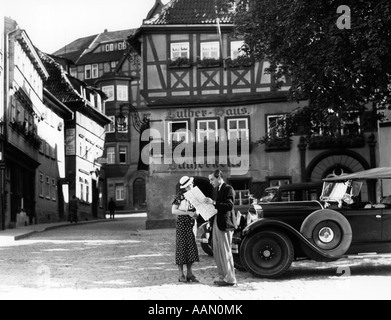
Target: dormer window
x=110, y=47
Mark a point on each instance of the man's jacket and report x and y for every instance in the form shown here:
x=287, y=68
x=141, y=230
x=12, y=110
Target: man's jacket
x=225, y=216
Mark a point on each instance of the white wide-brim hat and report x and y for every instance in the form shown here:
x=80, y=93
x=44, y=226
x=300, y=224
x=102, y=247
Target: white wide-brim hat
x=185, y=182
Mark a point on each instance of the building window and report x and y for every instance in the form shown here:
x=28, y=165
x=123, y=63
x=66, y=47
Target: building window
x=207, y=130
x=236, y=49
x=81, y=151
x=119, y=192
x=178, y=131
x=279, y=181
x=109, y=92
x=54, y=190
x=95, y=71
x=47, y=193
x=122, y=154
x=110, y=128
x=111, y=155
x=122, y=93
x=210, y=50
x=180, y=50
x=242, y=190
x=274, y=126
x=114, y=64
x=87, y=190
x=125, y=127
x=81, y=183
x=87, y=70
x=73, y=72
x=41, y=185
x=238, y=129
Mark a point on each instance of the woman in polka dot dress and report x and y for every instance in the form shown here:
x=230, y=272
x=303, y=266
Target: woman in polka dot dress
x=186, y=252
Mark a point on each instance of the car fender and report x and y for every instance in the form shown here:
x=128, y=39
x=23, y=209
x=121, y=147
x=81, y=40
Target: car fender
x=262, y=224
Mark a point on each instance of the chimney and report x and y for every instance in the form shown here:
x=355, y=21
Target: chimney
x=105, y=31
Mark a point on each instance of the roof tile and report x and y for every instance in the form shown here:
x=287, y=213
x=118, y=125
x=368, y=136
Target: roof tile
x=189, y=12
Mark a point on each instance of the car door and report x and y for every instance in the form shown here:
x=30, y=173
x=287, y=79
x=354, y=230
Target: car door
x=366, y=224
x=386, y=234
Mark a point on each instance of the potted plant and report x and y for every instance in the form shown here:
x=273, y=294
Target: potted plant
x=240, y=62
x=209, y=62
x=181, y=62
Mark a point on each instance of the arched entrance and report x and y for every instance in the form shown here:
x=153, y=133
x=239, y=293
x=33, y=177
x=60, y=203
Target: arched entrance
x=338, y=163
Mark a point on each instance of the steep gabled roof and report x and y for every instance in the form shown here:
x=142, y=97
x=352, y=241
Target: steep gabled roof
x=100, y=57
x=76, y=50
x=58, y=83
x=189, y=12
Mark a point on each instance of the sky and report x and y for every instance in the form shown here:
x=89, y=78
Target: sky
x=52, y=24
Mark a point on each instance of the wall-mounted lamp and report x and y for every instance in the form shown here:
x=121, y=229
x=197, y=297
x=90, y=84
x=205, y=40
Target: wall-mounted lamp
x=138, y=123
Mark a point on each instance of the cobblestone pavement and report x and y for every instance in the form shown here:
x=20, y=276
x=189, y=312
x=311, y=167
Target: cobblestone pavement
x=120, y=260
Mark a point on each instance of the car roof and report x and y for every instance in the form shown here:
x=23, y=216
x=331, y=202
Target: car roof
x=371, y=174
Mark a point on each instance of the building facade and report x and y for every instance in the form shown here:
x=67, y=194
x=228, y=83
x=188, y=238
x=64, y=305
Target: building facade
x=24, y=110
x=84, y=135
x=2, y=137
x=107, y=62
x=206, y=94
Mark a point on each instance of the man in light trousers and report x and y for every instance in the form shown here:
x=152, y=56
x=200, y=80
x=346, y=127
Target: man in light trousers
x=223, y=229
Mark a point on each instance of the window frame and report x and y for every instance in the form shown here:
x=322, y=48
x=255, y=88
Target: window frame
x=234, y=51
x=269, y=127
x=171, y=134
x=111, y=156
x=208, y=131
x=95, y=71
x=109, y=92
x=207, y=53
x=88, y=71
x=121, y=153
x=237, y=119
x=122, y=93
x=110, y=128
x=119, y=192
x=181, y=51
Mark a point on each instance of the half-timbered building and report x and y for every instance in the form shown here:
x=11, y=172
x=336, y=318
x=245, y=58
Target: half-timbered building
x=210, y=103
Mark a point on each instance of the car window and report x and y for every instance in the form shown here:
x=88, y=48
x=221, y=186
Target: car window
x=268, y=195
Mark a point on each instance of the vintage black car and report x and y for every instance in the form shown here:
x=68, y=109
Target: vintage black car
x=272, y=235
x=292, y=192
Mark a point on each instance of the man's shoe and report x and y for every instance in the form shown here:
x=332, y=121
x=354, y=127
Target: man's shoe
x=224, y=284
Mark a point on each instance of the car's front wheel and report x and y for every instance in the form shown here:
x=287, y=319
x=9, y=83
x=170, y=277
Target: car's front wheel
x=267, y=254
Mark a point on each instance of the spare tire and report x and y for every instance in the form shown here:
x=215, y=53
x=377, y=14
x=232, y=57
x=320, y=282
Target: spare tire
x=329, y=231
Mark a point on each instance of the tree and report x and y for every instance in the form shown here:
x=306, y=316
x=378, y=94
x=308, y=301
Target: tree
x=342, y=67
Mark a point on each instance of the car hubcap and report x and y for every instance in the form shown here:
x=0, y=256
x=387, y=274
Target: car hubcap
x=267, y=253
x=326, y=235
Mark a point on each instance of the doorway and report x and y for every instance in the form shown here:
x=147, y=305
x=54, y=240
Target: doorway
x=139, y=194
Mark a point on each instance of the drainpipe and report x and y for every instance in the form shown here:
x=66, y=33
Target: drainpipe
x=5, y=124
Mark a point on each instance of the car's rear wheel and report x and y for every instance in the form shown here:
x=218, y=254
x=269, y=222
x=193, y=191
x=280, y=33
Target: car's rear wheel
x=267, y=254
x=329, y=231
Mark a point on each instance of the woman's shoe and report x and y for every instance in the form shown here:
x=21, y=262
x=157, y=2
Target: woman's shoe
x=192, y=279
x=182, y=279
